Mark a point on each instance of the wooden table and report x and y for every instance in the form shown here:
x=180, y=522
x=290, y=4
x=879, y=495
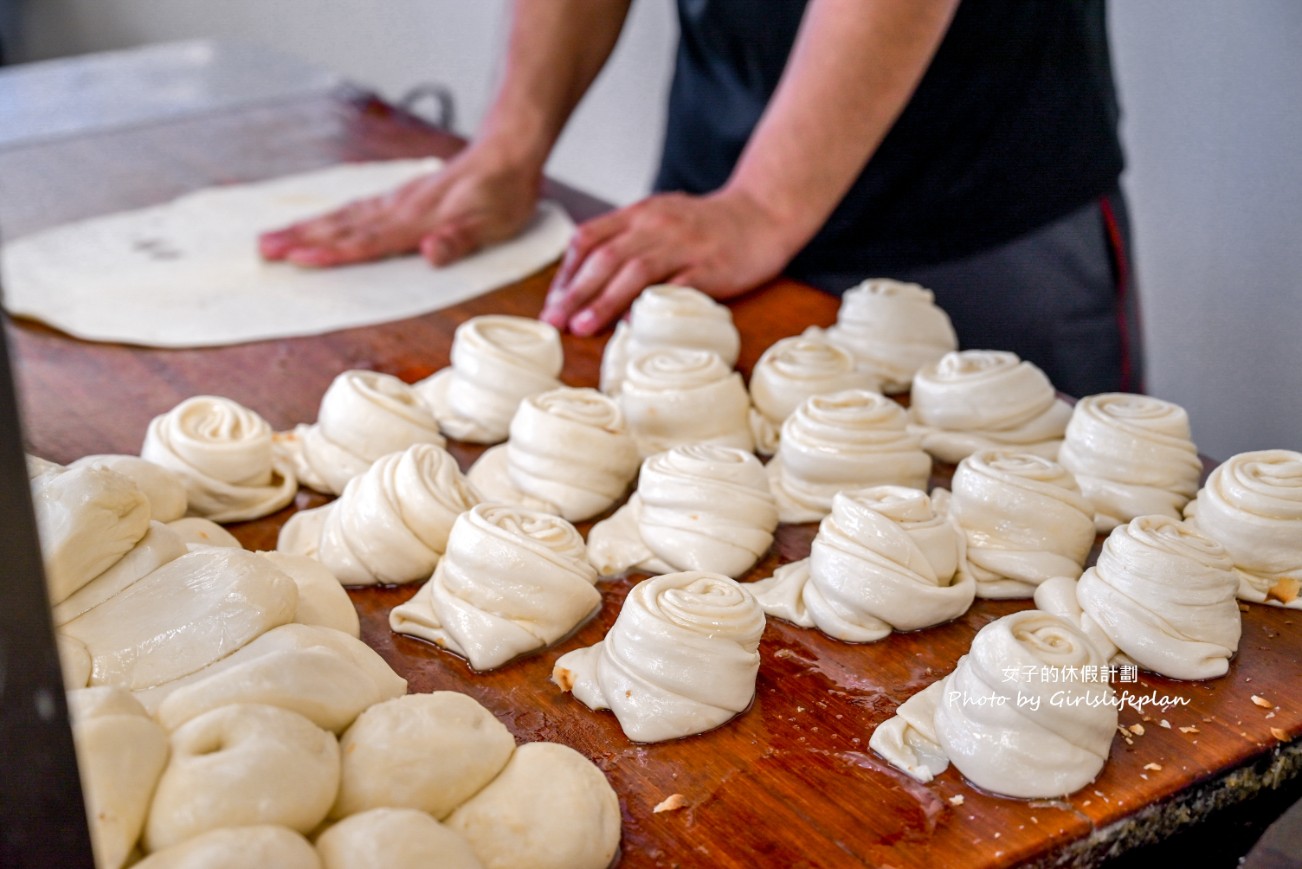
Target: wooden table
x=789, y=783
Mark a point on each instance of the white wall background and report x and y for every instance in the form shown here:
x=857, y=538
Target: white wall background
x=1212, y=124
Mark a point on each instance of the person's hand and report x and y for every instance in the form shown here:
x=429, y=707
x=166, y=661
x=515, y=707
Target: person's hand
x=722, y=244
x=475, y=200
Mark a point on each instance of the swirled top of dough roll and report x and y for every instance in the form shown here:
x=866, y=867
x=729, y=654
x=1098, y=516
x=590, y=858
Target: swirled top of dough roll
x=497, y=360
x=1165, y=596
x=512, y=581
x=894, y=328
x=1025, y=520
x=681, y=658
x=363, y=415
x=675, y=396
x=391, y=523
x=843, y=440
x=793, y=369
x=974, y=399
x=223, y=453
x=883, y=560
x=1252, y=505
x=669, y=316
x=1051, y=733
x=1132, y=455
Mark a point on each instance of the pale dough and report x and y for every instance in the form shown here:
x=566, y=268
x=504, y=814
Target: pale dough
x=257, y=845
x=551, y=808
x=678, y=395
x=394, y=839
x=430, y=752
x=187, y=273
x=164, y=488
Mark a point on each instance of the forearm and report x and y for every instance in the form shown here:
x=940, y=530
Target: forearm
x=853, y=69
x=556, y=49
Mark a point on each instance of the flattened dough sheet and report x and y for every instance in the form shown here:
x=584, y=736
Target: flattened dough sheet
x=187, y=273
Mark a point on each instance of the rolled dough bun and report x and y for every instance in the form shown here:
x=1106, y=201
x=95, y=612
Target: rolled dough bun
x=228, y=847
x=394, y=839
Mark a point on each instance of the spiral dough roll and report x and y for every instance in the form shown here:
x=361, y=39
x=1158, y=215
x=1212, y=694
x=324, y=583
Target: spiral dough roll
x=511, y=581
x=681, y=658
x=680, y=396
x=893, y=329
x=668, y=316
x=884, y=560
x=223, y=453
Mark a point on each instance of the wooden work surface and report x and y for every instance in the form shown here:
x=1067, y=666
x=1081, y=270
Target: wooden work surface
x=789, y=783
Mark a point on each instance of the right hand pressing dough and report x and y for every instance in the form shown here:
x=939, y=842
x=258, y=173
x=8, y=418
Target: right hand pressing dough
x=790, y=371
x=1132, y=456
x=668, y=316
x=497, y=361
x=843, y=440
x=391, y=523
x=681, y=658
x=1161, y=594
x=893, y=329
x=679, y=396
x=697, y=507
x=240, y=765
x=363, y=415
x=570, y=453
x=883, y=561
x=1025, y=521
x=984, y=399
x=512, y=581
x=222, y=452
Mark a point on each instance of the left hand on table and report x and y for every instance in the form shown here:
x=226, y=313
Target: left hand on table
x=722, y=244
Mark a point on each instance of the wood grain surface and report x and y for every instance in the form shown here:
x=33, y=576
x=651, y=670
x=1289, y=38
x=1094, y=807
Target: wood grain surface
x=791, y=781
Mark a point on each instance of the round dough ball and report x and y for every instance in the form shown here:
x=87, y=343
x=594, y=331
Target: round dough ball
x=394, y=839
x=551, y=808
x=165, y=490
x=262, y=845
x=244, y=764
x=420, y=751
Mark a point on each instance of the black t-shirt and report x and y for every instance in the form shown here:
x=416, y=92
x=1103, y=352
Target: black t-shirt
x=1013, y=125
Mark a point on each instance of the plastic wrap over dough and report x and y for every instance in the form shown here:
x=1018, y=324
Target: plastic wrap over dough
x=497, y=362
x=681, y=658
x=257, y=845
x=183, y=616
x=1252, y=505
x=358, y=661
x=88, y=519
x=222, y=452
x=893, y=329
x=697, y=507
x=1024, y=519
x=679, y=396
x=1027, y=712
x=391, y=523
x=668, y=316
x=883, y=561
x=121, y=753
x=570, y=453
x=394, y=839
x=430, y=752
x=1165, y=596
x=1132, y=456
x=843, y=440
x=793, y=369
x=982, y=399
x=363, y=415
x=164, y=488
x=512, y=581
x=243, y=765
x=159, y=546
x=551, y=808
